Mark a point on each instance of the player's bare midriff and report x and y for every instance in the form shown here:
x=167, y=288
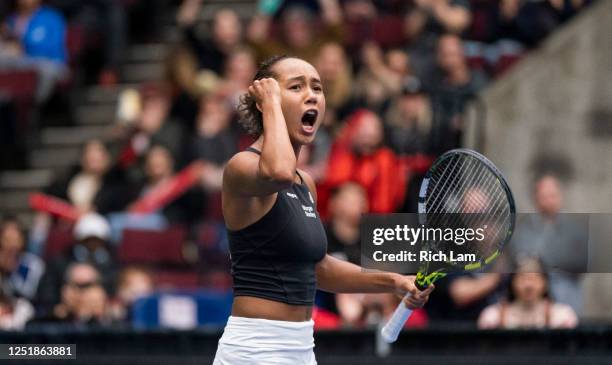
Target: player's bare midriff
x=253, y=307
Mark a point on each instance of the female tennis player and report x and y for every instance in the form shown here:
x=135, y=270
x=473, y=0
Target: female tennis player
x=277, y=242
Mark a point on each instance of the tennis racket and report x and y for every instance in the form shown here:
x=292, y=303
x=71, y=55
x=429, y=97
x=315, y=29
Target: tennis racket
x=462, y=189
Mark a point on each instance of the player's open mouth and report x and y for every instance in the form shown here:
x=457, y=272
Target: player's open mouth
x=308, y=120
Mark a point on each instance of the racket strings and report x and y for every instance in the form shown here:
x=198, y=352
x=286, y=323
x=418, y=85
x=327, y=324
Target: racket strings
x=464, y=193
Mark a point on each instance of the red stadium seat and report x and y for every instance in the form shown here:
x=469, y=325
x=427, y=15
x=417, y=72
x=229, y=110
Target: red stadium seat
x=214, y=207
x=75, y=43
x=59, y=239
x=18, y=84
x=153, y=247
x=388, y=31
x=478, y=63
x=505, y=63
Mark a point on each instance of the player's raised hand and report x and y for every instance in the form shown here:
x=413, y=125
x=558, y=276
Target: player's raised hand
x=266, y=91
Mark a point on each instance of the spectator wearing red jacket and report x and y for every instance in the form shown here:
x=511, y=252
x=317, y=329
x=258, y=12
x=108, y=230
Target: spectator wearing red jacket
x=359, y=156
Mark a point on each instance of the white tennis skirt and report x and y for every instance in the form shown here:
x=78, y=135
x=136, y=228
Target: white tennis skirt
x=255, y=341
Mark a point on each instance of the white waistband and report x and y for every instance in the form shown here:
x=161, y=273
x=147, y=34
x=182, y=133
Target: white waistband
x=266, y=333
x=239, y=321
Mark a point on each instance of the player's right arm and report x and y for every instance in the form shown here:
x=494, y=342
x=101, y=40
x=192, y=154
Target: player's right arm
x=250, y=174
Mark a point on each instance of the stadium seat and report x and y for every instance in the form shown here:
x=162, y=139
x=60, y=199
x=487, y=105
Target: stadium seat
x=18, y=84
x=20, y=87
x=213, y=209
x=388, y=31
x=59, y=239
x=153, y=247
x=505, y=63
x=75, y=43
x=177, y=279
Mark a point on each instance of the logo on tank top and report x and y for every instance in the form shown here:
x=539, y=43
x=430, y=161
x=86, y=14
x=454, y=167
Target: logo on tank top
x=291, y=195
x=309, y=211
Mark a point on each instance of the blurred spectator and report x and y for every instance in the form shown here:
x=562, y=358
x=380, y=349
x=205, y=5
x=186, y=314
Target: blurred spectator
x=159, y=168
x=299, y=37
x=95, y=185
x=359, y=310
x=20, y=271
x=189, y=86
x=558, y=240
x=212, y=50
x=346, y=206
x=35, y=37
x=215, y=141
x=83, y=298
x=359, y=10
x=408, y=133
x=158, y=171
x=531, y=21
x=461, y=297
x=529, y=304
x=374, y=21
x=336, y=76
x=426, y=21
x=39, y=31
x=239, y=70
x=15, y=312
x=409, y=119
x=381, y=76
x=92, y=234
x=105, y=19
x=348, y=202
x=153, y=126
x=438, y=16
x=186, y=85
x=452, y=85
x=134, y=283
x=488, y=47
x=359, y=156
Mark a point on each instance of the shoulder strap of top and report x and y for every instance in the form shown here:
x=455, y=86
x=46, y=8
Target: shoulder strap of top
x=254, y=150
x=301, y=178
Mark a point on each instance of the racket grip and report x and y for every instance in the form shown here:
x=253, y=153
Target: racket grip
x=393, y=328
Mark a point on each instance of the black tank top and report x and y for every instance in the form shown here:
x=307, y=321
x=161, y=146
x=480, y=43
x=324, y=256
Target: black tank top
x=275, y=257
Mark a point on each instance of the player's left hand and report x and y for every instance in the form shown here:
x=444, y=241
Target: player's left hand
x=405, y=285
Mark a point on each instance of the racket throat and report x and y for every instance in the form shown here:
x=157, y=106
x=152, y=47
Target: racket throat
x=425, y=280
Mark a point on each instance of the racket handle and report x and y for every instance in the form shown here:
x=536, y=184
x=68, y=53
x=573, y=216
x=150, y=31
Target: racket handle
x=393, y=328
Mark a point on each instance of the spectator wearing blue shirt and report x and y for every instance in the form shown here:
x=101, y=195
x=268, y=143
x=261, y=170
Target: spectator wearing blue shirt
x=40, y=33
x=20, y=271
x=40, y=30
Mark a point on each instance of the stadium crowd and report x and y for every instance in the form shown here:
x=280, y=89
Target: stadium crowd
x=398, y=76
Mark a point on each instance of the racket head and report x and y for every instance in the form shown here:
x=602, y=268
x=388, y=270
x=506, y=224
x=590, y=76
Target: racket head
x=464, y=183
